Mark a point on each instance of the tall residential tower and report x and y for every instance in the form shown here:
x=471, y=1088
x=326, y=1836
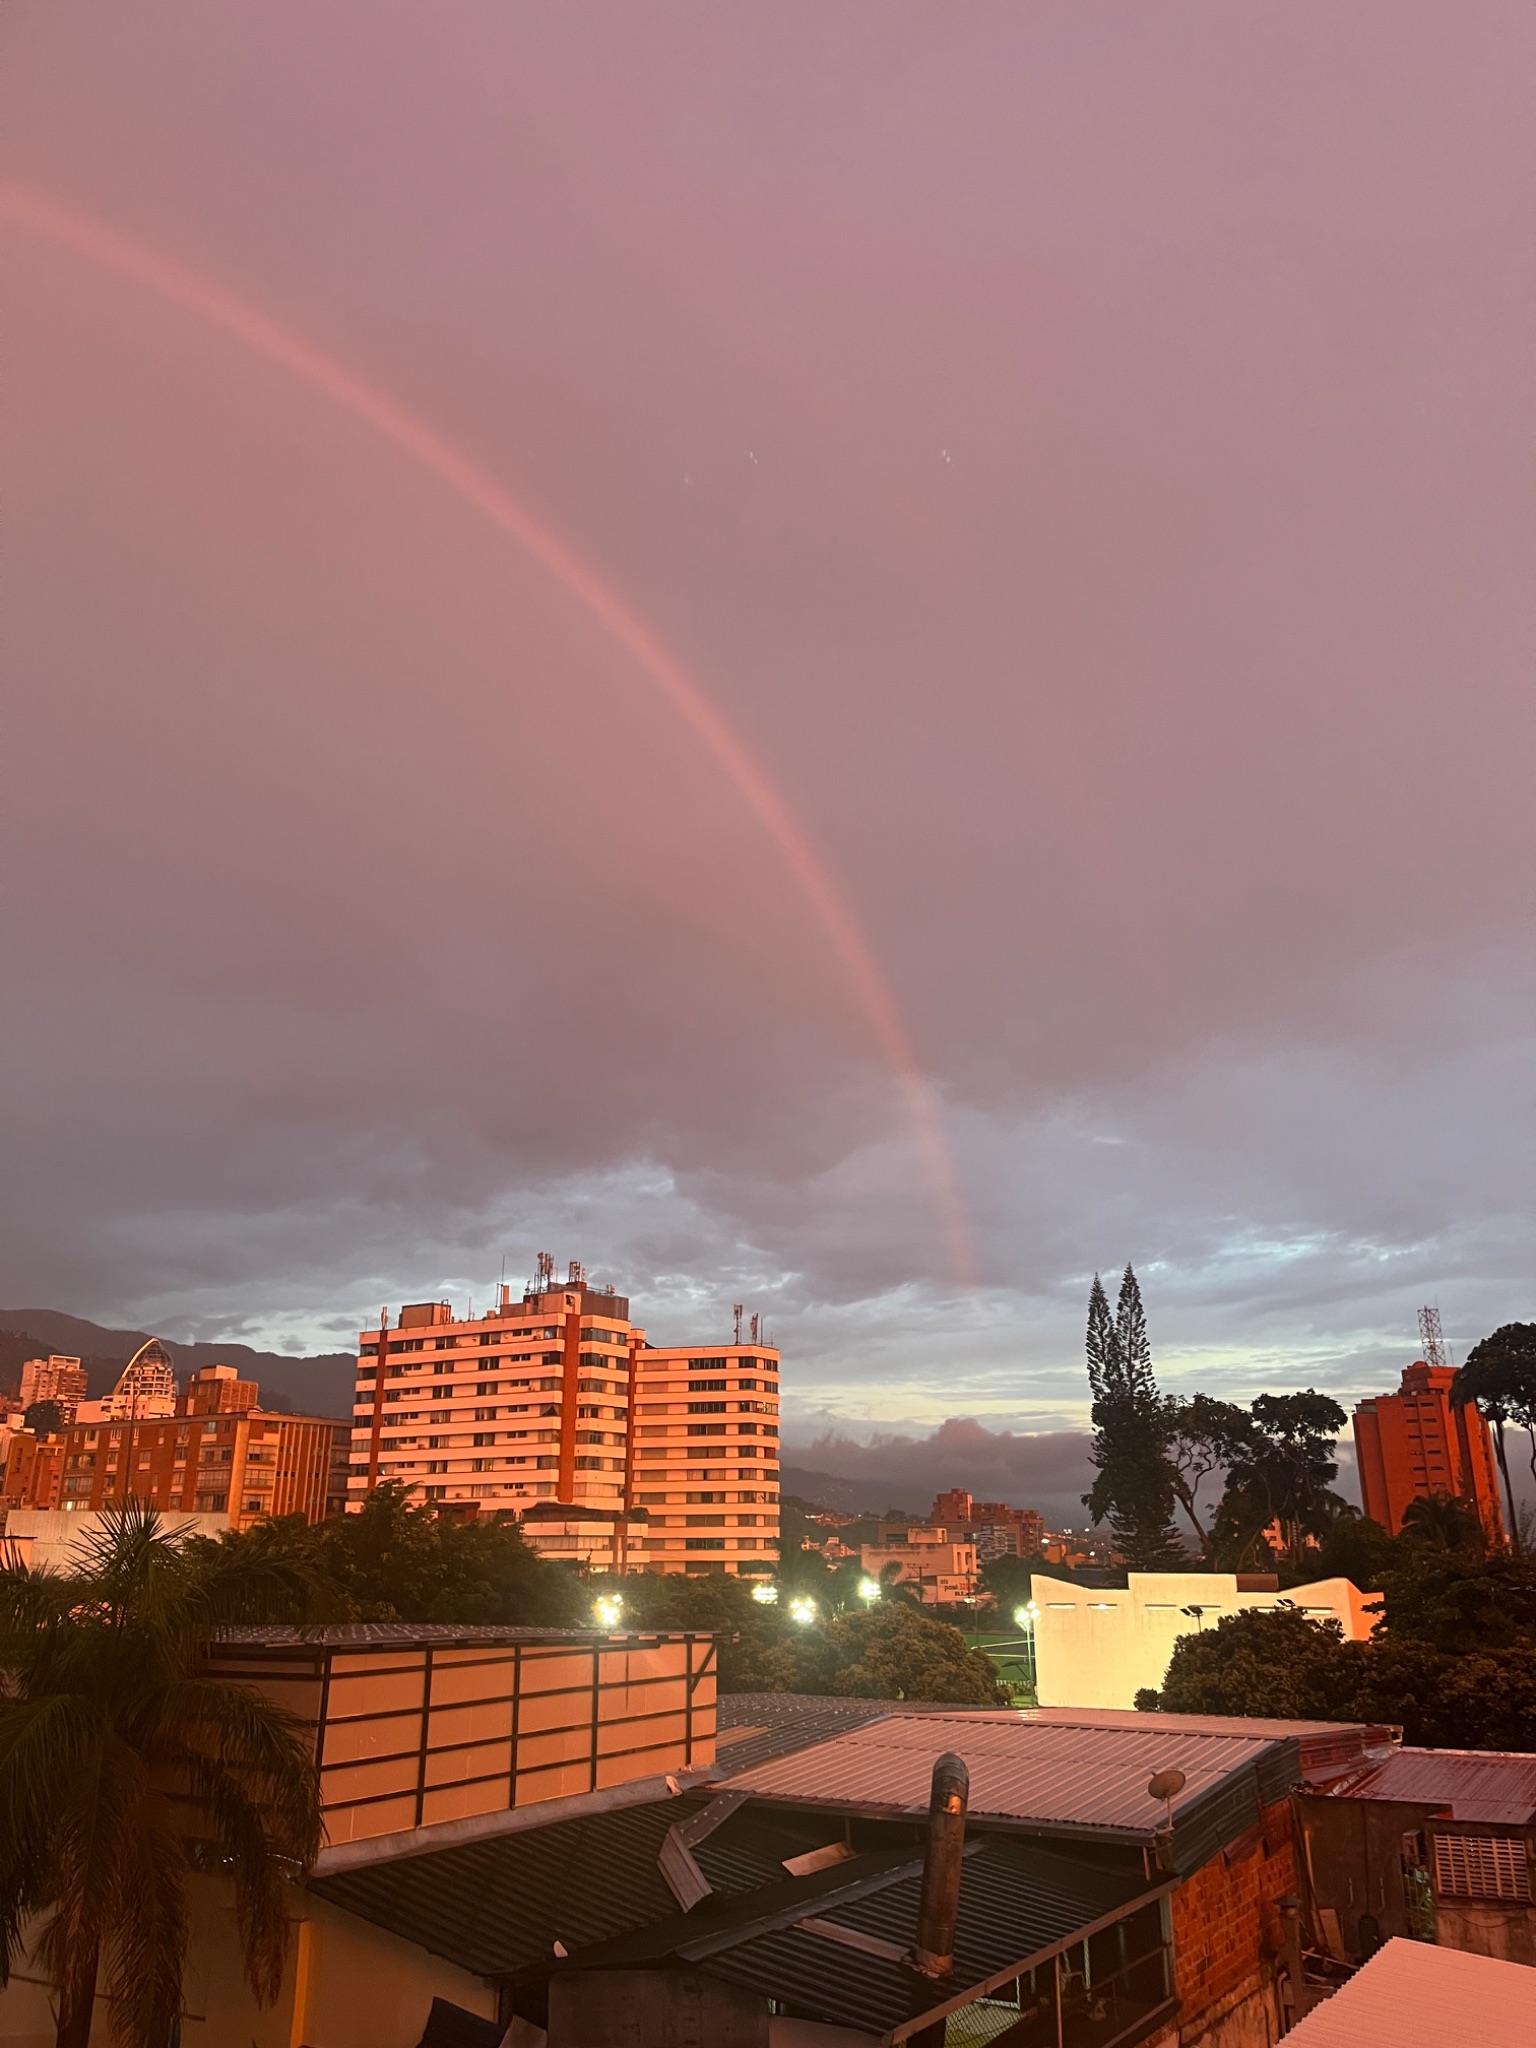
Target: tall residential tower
x=558, y=1401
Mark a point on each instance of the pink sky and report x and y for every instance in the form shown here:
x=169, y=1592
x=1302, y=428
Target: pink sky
x=1083, y=451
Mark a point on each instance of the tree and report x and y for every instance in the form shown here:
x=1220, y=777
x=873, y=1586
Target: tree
x=895, y=1652
x=1499, y=1378
x=43, y=1418
x=1279, y=1664
x=1282, y=1472
x=123, y=1757
x=1010, y=1581
x=1439, y=1521
x=1134, y=1490
x=1202, y=1436
x=393, y=1561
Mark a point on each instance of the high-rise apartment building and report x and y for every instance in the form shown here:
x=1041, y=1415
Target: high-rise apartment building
x=219, y=1454
x=57, y=1379
x=1413, y=1444
x=559, y=1398
x=705, y=1461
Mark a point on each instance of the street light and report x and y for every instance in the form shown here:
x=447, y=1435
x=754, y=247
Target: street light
x=1026, y=1616
x=767, y=1594
x=802, y=1610
x=869, y=1589
x=608, y=1610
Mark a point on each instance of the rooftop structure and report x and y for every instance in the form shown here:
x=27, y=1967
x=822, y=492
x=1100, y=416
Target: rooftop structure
x=1413, y=1445
x=146, y=1386
x=938, y=1564
x=422, y=1728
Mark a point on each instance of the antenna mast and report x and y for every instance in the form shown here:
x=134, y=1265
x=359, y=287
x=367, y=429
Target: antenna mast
x=1432, y=1337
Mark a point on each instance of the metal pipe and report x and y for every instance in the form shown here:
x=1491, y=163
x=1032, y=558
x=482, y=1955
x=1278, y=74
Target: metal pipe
x=940, y=1905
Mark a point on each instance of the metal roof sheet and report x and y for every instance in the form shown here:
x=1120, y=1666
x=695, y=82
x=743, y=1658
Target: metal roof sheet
x=756, y=1726
x=1326, y=1746
x=1412, y=1991
x=365, y=1635
x=1019, y=1904
x=1077, y=1777
x=499, y=1905
x=1479, y=1785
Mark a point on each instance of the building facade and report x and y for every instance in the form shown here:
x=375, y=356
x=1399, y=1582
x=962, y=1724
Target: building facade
x=936, y=1563
x=57, y=1379
x=218, y=1454
x=1413, y=1445
x=1098, y=1646
x=558, y=1398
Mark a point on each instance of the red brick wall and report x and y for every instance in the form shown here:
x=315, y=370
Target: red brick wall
x=1226, y=1921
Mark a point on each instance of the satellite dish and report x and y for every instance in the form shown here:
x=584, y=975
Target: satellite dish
x=1167, y=1785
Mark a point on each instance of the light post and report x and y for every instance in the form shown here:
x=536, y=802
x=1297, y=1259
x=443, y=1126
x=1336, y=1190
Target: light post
x=608, y=1610
x=802, y=1610
x=1026, y=1617
x=766, y=1595
x=869, y=1591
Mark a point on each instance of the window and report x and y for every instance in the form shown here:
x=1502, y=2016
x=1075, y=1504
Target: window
x=706, y=1407
x=706, y=1386
x=706, y=1429
x=703, y=1498
x=1482, y=1867
x=703, y=1543
x=707, y=1364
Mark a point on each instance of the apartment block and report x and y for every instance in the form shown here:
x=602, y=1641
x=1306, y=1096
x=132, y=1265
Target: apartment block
x=55, y=1378
x=528, y=1402
x=219, y=1454
x=706, y=1457
x=668, y=1459
x=1413, y=1444
x=934, y=1562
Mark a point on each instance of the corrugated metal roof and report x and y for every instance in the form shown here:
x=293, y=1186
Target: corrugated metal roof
x=1326, y=1746
x=1018, y=1905
x=1411, y=1991
x=775, y=1723
x=1021, y=1771
x=1482, y=1785
x=499, y=1905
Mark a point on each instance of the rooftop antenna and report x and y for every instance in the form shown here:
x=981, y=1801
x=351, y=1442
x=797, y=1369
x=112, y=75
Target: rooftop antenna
x=1432, y=1337
x=738, y=1310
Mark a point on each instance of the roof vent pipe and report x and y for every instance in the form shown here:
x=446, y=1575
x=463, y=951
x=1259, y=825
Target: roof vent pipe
x=940, y=1906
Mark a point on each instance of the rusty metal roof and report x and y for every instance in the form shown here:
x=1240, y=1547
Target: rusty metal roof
x=1474, y=1784
x=1074, y=1777
x=1413, y=1991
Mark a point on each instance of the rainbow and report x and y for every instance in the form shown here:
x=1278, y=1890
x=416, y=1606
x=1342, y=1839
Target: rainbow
x=414, y=437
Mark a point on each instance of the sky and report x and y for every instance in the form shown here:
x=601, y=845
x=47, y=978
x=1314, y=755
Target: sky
x=1001, y=745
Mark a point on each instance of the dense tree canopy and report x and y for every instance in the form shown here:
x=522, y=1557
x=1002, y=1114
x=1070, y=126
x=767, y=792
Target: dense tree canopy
x=1134, y=1490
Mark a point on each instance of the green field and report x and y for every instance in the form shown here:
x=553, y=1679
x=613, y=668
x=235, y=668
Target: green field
x=1014, y=1656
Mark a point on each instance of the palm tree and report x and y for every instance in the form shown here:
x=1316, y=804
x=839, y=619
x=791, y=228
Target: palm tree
x=126, y=1763
x=1499, y=1378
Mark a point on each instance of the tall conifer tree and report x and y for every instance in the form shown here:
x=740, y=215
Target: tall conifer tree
x=1134, y=1491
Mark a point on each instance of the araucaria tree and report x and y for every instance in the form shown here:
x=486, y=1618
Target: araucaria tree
x=1134, y=1490
x=126, y=1763
x=1499, y=1379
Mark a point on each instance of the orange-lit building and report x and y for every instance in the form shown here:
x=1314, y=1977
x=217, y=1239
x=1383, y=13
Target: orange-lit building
x=558, y=1397
x=219, y=1454
x=1413, y=1445
x=705, y=1463
x=995, y=1528
x=33, y=1467
x=57, y=1379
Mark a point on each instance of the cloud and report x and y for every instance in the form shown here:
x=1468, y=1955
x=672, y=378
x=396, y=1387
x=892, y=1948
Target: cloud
x=1049, y=1471
x=369, y=921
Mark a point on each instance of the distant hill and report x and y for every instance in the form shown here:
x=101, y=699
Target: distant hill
x=309, y=1386
x=846, y=1496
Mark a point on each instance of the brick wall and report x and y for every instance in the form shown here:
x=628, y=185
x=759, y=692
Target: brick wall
x=1226, y=1921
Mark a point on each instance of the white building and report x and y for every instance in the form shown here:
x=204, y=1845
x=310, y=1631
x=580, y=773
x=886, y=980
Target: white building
x=1098, y=1646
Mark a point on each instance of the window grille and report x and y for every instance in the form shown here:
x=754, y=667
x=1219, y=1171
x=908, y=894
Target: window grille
x=1481, y=1867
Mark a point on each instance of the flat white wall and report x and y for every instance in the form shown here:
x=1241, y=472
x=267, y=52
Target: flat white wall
x=48, y=1539
x=1099, y=1646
